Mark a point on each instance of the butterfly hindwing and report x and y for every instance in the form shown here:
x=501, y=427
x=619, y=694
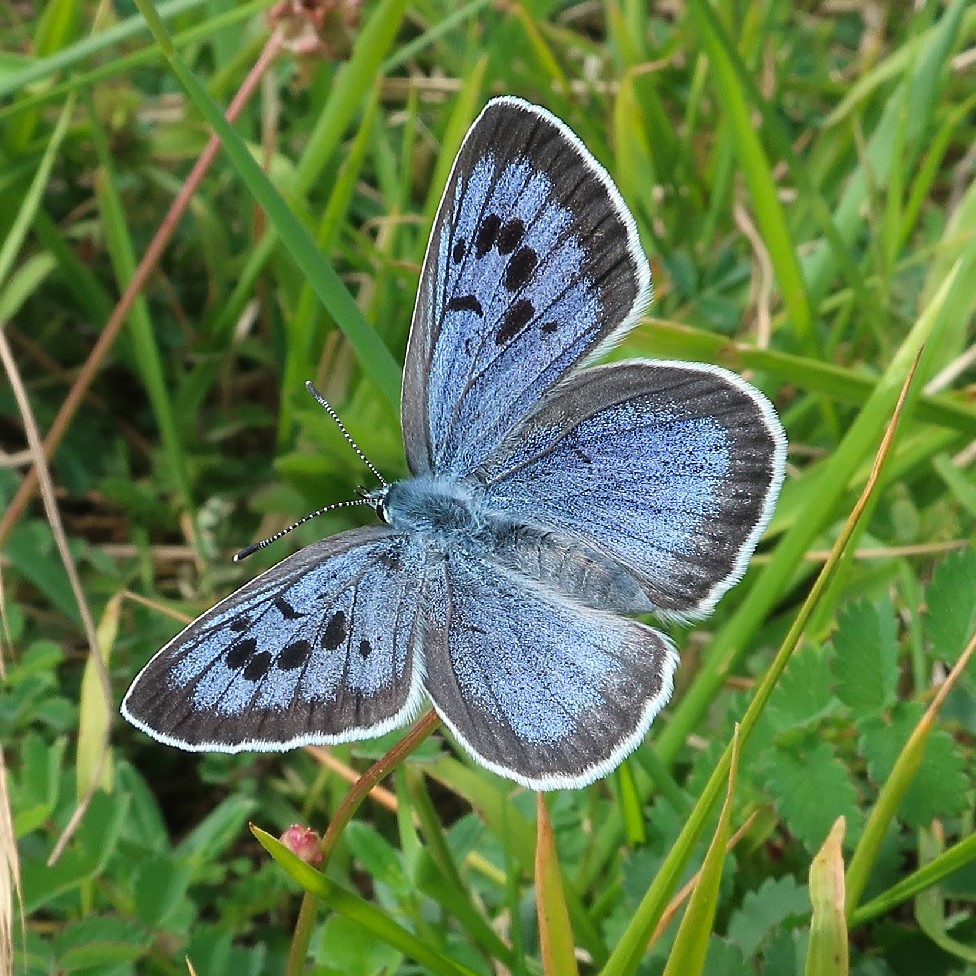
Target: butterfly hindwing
x=670, y=469
x=533, y=261
x=534, y=686
x=320, y=648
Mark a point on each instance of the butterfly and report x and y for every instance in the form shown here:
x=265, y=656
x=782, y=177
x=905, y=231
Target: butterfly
x=549, y=503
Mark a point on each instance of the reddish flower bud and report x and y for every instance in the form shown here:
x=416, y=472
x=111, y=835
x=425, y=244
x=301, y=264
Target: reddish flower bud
x=303, y=842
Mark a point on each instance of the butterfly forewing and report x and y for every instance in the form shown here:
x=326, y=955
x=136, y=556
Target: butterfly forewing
x=533, y=261
x=535, y=686
x=321, y=648
x=670, y=469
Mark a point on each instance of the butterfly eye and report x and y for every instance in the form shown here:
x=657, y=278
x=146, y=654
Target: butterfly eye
x=377, y=499
x=380, y=506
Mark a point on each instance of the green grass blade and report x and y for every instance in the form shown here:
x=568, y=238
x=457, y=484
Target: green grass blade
x=350, y=90
x=924, y=76
x=489, y=797
x=758, y=175
x=376, y=360
x=148, y=357
x=960, y=855
x=906, y=765
x=630, y=948
x=456, y=897
x=687, y=957
x=23, y=283
x=733, y=640
x=304, y=327
x=935, y=918
x=25, y=214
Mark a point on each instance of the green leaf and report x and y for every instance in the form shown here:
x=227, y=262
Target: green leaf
x=99, y=944
x=30, y=549
x=160, y=885
x=865, y=659
x=378, y=856
x=803, y=693
x=345, y=949
x=724, y=958
x=939, y=786
x=217, y=831
x=951, y=605
x=812, y=789
x=83, y=860
x=211, y=951
x=764, y=911
x=784, y=954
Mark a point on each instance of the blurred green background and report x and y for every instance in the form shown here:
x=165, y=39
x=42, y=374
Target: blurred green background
x=802, y=179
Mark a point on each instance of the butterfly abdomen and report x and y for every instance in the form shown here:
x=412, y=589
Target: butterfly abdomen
x=572, y=567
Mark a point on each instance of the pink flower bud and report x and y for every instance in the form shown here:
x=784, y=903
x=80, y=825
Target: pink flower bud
x=303, y=842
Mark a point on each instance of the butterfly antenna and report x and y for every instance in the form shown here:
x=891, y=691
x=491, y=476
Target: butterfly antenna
x=255, y=546
x=345, y=433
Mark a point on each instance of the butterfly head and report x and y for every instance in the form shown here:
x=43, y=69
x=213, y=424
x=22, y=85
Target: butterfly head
x=378, y=501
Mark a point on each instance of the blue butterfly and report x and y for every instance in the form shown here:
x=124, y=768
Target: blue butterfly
x=547, y=504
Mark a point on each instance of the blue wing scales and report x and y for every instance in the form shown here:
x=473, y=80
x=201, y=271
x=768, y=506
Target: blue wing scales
x=533, y=262
x=534, y=686
x=320, y=648
x=669, y=470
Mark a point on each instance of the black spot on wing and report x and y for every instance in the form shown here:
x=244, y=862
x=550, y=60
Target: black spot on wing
x=240, y=624
x=484, y=240
x=241, y=652
x=335, y=632
x=520, y=268
x=457, y=252
x=465, y=303
x=549, y=327
x=294, y=655
x=391, y=560
x=286, y=609
x=510, y=235
x=365, y=648
x=516, y=318
x=258, y=666
x=582, y=455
